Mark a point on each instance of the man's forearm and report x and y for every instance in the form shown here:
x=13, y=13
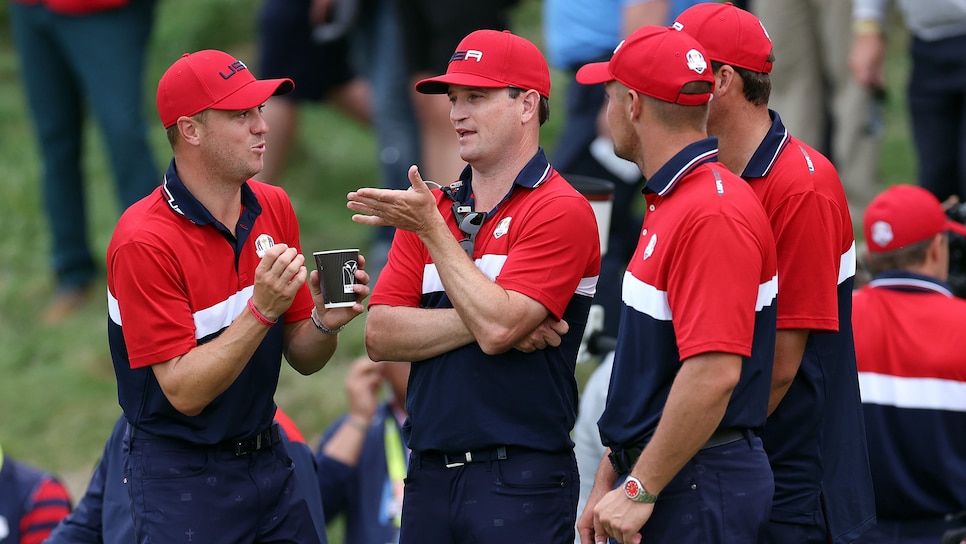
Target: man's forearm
x=694, y=409
x=497, y=318
x=401, y=333
x=309, y=348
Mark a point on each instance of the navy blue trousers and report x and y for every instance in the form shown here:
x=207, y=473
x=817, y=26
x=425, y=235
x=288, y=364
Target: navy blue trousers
x=937, y=114
x=529, y=497
x=189, y=493
x=722, y=496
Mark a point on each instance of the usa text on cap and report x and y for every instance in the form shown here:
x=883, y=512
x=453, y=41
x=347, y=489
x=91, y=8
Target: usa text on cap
x=212, y=79
x=493, y=59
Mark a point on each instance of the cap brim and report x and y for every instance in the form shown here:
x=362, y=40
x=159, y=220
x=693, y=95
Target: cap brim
x=254, y=94
x=440, y=84
x=955, y=227
x=592, y=74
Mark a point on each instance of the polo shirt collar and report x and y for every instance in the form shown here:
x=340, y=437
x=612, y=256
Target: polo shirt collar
x=770, y=148
x=182, y=202
x=901, y=280
x=534, y=174
x=683, y=163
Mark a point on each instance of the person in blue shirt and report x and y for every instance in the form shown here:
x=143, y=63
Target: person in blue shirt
x=362, y=458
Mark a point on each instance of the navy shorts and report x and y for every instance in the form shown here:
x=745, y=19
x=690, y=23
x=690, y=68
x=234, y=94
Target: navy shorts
x=722, y=496
x=529, y=496
x=183, y=492
x=431, y=29
x=286, y=48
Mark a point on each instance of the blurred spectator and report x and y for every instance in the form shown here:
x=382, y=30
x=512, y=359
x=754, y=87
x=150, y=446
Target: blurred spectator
x=820, y=102
x=319, y=65
x=32, y=502
x=362, y=459
x=378, y=41
x=431, y=30
x=75, y=55
x=937, y=82
x=297, y=38
x=578, y=32
x=908, y=330
x=103, y=515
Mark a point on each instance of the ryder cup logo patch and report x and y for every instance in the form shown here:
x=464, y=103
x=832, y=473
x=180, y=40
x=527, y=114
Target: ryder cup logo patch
x=696, y=62
x=262, y=244
x=882, y=233
x=650, y=246
x=502, y=228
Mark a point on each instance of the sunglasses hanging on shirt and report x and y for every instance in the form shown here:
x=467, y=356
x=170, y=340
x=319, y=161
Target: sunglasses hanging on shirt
x=468, y=221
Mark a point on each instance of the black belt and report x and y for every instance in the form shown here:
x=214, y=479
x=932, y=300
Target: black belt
x=453, y=460
x=262, y=440
x=623, y=460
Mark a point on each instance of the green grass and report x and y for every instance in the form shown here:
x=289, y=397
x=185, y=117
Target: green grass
x=57, y=392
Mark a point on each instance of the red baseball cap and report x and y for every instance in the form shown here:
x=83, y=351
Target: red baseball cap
x=212, y=79
x=903, y=215
x=656, y=61
x=730, y=35
x=492, y=59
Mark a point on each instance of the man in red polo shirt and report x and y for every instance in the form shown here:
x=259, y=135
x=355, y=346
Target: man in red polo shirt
x=909, y=348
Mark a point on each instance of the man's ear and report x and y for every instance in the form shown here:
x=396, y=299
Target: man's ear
x=531, y=105
x=190, y=129
x=634, y=103
x=725, y=80
x=939, y=243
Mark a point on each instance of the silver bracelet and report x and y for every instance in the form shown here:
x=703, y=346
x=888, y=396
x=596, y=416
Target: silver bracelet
x=323, y=328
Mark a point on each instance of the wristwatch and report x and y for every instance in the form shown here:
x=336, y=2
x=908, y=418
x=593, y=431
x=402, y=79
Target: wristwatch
x=635, y=491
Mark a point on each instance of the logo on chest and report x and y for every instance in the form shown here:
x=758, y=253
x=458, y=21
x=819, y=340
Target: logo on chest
x=502, y=227
x=649, y=249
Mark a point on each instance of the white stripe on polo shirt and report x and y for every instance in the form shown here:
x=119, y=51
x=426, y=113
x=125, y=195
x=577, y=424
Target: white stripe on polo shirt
x=903, y=392
x=847, y=264
x=650, y=301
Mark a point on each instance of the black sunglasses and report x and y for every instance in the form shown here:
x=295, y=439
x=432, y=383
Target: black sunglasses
x=468, y=221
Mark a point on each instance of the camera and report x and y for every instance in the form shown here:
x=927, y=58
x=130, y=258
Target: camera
x=957, y=252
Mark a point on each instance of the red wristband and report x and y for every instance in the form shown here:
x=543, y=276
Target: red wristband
x=259, y=315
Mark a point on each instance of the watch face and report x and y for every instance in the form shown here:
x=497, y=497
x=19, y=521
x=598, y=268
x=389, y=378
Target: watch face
x=632, y=488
